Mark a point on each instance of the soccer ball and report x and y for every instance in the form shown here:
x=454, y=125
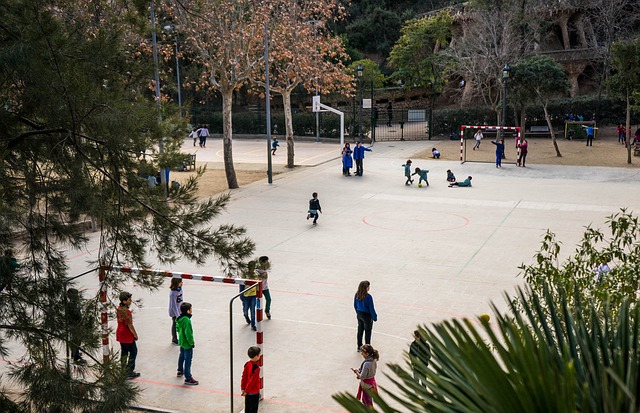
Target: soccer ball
x=419, y=185
x=485, y=318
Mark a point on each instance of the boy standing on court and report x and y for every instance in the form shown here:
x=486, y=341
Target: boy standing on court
x=250, y=384
x=186, y=342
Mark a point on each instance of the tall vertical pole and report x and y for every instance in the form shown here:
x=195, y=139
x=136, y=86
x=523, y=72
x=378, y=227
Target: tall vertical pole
x=268, y=104
x=360, y=102
x=104, y=317
x=315, y=42
x=156, y=76
x=178, y=74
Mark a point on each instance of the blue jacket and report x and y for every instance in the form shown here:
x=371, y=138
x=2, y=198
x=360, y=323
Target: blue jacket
x=358, y=152
x=499, y=147
x=365, y=306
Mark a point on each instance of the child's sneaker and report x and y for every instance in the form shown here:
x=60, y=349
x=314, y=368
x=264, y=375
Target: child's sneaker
x=179, y=374
x=191, y=382
x=308, y=216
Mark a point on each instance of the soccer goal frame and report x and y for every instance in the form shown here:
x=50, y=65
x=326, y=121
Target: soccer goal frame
x=463, y=152
x=257, y=284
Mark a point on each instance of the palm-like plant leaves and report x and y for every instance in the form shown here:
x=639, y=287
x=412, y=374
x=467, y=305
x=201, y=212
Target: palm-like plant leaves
x=545, y=357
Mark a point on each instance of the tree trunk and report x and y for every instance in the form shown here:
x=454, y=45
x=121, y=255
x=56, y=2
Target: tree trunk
x=628, y=125
x=523, y=120
x=227, y=138
x=551, y=131
x=288, y=123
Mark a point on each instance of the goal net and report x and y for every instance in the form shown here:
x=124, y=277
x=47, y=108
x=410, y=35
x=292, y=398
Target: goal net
x=486, y=151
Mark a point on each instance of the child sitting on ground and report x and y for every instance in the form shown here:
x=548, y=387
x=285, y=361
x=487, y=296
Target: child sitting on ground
x=465, y=183
x=423, y=175
x=407, y=172
x=450, y=176
x=435, y=153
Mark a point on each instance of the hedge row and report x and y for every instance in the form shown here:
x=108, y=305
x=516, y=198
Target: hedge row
x=445, y=121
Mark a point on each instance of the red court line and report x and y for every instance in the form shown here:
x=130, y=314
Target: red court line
x=224, y=393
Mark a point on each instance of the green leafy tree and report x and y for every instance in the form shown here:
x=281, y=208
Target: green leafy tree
x=624, y=80
x=574, y=360
x=619, y=246
x=77, y=112
x=371, y=73
x=541, y=78
x=415, y=55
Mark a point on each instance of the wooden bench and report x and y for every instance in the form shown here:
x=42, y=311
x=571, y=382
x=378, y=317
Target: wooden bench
x=636, y=149
x=189, y=163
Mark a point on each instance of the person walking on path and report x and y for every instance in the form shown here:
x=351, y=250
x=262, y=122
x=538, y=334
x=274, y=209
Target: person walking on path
x=478, y=136
x=194, y=135
x=127, y=336
x=524, y=148
x=175, y=300
x=250, y=384
x=263, y=274
x=365, y=312
x=347, y=160
x=187, y=343
x=314, y=208
x=499, y=152
x=419, y=354
x=249, y=297
x=274, y=145
x=358, y=156
x=367, y=375
x=74, y=319
x=203, y=133
x=422, y=173
x=389, y=113
x=407, y=172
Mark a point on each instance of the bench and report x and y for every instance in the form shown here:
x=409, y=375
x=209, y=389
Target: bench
x=189, y=163
x=636, y=149
x=540, y=131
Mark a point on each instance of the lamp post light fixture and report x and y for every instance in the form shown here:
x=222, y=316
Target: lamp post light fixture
x=505, y=76
x=315, y=24
x=169, y=28
x=359, y=69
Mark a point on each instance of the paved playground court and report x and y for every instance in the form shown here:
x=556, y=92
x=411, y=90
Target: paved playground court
x=431, y=253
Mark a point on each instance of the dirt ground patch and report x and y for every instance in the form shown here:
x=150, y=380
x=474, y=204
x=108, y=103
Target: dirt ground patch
x=214, y=180
x=606, y=151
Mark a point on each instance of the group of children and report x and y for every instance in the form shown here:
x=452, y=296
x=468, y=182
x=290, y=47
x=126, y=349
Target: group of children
x=422, y=173
x=182, y=335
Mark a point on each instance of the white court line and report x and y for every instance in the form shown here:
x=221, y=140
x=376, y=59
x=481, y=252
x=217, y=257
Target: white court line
x=556, y=206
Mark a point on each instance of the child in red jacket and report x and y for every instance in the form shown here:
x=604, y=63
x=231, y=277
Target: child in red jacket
x=250, y=384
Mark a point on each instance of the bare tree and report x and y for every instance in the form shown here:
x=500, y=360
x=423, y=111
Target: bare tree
x=494, y=34
x=227, y=38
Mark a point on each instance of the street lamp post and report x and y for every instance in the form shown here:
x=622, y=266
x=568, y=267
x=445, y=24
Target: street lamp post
x=360, y=102
x=168, y=28
x=505, y=77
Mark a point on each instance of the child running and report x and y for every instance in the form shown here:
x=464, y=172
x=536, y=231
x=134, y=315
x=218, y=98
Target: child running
x=423, y=176
x=274, y=145
x=407, y=172
x=314, y=208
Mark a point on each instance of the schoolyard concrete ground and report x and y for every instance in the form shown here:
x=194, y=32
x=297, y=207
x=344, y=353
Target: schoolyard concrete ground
x=430, y=253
